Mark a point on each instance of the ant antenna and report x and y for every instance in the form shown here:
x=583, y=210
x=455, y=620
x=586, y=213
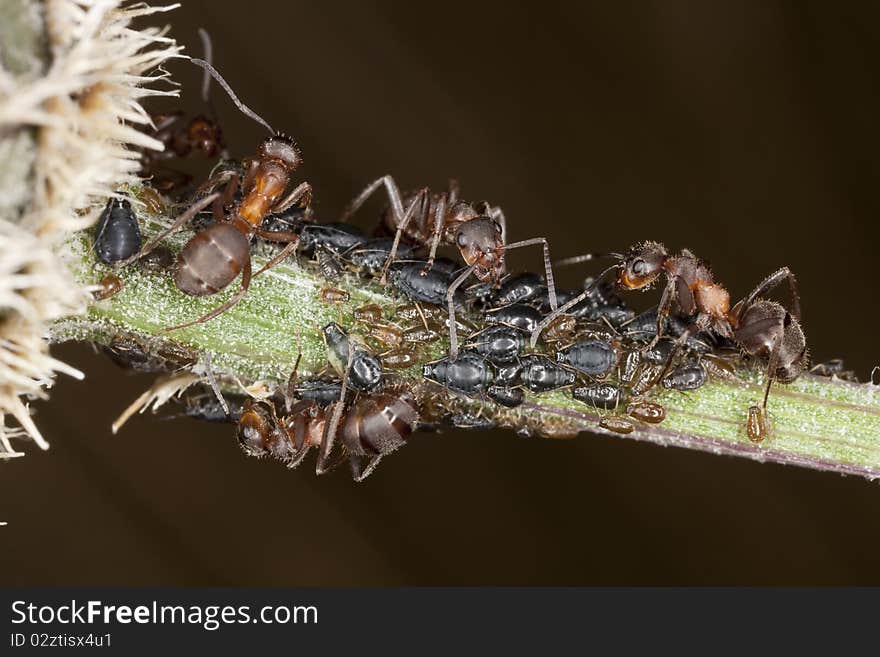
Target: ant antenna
x=244, y=109
x=569, y=304
x=576, y=260
x=208, y=51
x=450, y=302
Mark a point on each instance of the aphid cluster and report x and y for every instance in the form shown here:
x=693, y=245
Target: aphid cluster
x=510, y=337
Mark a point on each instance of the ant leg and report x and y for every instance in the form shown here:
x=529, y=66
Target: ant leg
x=279, y=236
x=421, y=315
x=544, y=323
x=551, y=284
x=436, y=234
x=663, y=310
x=227, y=199
x=359, y=470
x=450, y=293
x=452, y=189
x=301, y=191
x=297, y=425
x=767, y=388
x=218, y=209
x=182, y=220
x=564, y=308
x=676, y=347
x=289, y=248
x=401, y=226
x=219, y=310
x=297, y=457
x=251, y=165
x=289, y=392
x=393, y=195
x=224, y=201
x=771, y=368
x=497, y=214
x=331, y=427
x=212, y=183
x=771, y=282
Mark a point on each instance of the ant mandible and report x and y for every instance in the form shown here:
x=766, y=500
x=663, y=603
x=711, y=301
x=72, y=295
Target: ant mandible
x=760, y=327
x=214, y=257
x=478, y=230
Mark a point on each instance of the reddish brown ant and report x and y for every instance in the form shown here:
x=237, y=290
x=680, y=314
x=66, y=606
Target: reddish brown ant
x=200, y=135
x=760, y=327
x=374, y=426
x=215, y=256
x=261, y=432
x=478, y=230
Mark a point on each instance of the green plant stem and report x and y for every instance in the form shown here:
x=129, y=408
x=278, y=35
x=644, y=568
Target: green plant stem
x=821, y=423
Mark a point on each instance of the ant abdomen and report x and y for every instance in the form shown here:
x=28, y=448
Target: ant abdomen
x=766, y=328
x=211, y=260
x=380, y=424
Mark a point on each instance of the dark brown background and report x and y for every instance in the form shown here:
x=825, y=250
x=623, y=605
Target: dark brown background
x=743, y=130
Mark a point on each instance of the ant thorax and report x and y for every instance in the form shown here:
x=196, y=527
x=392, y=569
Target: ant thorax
x=269, y=182
x=701, y=293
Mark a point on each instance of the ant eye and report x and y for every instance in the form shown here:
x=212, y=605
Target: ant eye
x=786, y=321
x=461, y=240
x=639, y=267
x=497, y=226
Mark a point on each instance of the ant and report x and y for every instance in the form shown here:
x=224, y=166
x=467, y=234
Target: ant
x=374, y=425
x=478, y=230
x=202, y=134
x=760, y=327
x=215, y=256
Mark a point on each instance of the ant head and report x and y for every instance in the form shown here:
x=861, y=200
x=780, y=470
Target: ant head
x=792, y=354
x=205, y=135
x=254, y=428
x=480, y=243
x=642, y=266
x=282, y=148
